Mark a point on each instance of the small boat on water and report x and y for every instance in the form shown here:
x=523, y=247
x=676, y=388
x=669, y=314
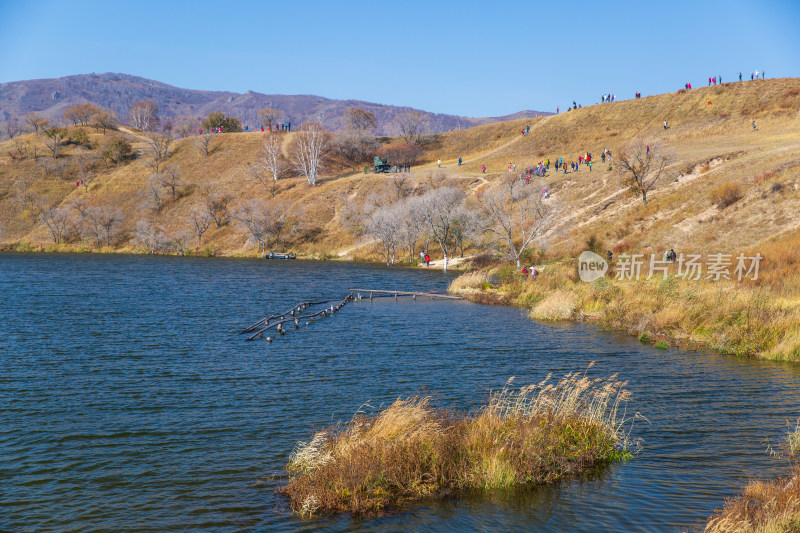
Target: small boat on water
x=279, y=255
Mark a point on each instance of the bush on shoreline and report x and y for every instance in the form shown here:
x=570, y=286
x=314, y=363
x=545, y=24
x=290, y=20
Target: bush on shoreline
x=410, y=451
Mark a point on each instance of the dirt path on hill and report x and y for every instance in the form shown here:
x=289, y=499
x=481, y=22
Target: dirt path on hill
x=493, y=150
x=285, y=143
x=611, y=205
x=344, y=251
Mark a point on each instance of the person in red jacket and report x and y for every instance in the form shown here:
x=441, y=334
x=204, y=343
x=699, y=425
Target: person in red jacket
x=427, y=260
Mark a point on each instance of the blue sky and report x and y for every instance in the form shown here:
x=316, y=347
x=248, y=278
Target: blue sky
x=467, y=58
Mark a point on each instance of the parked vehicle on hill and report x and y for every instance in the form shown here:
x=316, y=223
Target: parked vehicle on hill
x=378, y=166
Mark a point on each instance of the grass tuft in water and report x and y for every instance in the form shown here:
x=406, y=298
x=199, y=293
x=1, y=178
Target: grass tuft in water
x=410, y=450
x=765, y=506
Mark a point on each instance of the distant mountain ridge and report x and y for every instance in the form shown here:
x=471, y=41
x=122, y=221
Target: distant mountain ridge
x=49, y=97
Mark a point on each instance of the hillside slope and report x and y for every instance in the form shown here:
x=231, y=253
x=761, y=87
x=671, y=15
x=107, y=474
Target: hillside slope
x=712, y=144
x=49, y=97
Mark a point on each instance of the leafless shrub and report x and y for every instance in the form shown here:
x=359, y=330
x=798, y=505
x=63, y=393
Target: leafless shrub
x=151, y=236
x=199, y=221
x=56, y=220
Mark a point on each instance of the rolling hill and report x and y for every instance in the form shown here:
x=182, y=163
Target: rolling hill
x=49, y=97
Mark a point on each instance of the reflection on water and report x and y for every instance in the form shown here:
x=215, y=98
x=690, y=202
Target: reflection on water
x=127, y=400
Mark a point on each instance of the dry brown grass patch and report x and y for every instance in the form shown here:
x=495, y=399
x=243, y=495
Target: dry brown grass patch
x=410, y=450
x=726, y=194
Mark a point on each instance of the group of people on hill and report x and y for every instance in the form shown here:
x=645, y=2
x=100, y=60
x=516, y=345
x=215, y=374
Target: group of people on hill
x=526, y=130
x=284, y=126
x=714, y=80
x=540, y=169
x=213, y=130
x=608, y=98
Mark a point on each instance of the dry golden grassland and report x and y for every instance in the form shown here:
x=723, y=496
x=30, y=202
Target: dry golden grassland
x=411, y=451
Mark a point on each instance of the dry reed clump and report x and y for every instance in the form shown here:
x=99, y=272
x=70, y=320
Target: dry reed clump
x=765, y=506
x=770, y=506
x=560, y=305
x=469, y=283
x=410, y=450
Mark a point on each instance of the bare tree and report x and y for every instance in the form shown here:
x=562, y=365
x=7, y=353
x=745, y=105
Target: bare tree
x=412, y=125
x=26, y=198
x=180, y=241
x=216, y=204
x=170, y=179
x=53, y=167
x=270, y=159
x=356, y=147
x=203, y=142
x=383, y=226
x=99, y=223
x=440, y=209
x=642, y=166
x=358, y=119
x=401, y=184
x=310, y=146
x=153, y=192
x=22, y=149
x=80, y=114
x=257, y=174
x=89, y=220
x=516, y=215
x=282, y=218
x=36, y=123
x=54, y=138
x=411, y=225
x=199, y=221
x=144, y=116
x=11, y=128
x=157, y=149
x=110, y=219
x=185, y=129
x=269, y=117
x=151, y=236
x=255, y=217
x=466, y=228
x=104, y=120
x=400, y=153
x=56, y=220
x=86, y=160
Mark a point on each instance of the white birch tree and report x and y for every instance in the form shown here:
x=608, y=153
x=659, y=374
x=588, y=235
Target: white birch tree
x=310, y=146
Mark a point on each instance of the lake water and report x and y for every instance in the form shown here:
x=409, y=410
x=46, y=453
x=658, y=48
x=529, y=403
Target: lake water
x=128, y=401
